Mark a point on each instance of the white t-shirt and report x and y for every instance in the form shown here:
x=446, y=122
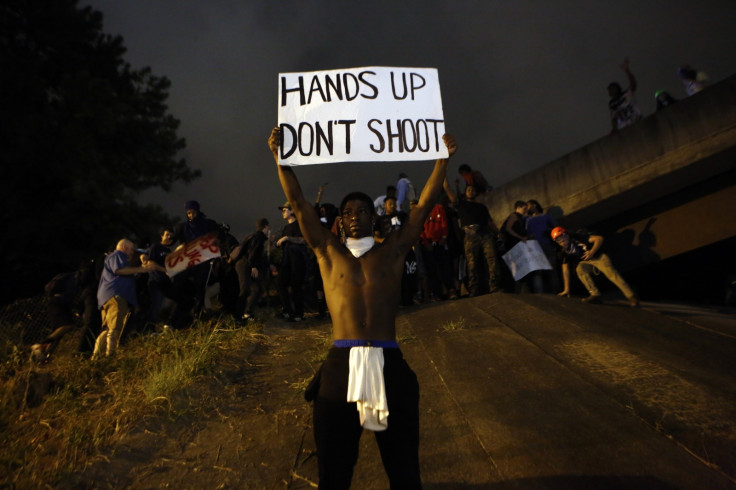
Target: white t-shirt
x=378, y=204
x=624, y=109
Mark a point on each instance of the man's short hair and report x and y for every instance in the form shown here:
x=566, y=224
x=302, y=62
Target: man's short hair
x=519, y=204
x=463, y=168
x=536, y=207
x=261, y=223
x=124, y=244
x=359, y=196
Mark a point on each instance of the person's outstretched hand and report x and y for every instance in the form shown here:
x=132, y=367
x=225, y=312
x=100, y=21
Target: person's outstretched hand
x=449, y=143
x=274, y=142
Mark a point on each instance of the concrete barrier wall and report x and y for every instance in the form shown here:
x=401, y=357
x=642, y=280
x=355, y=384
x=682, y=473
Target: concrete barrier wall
x=689, y=142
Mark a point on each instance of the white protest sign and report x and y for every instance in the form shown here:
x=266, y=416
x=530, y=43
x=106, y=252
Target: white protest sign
x=361, y=115
x=193, y=253
x=526, y=257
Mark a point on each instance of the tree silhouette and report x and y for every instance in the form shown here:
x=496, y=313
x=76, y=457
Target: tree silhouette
x=83, y=133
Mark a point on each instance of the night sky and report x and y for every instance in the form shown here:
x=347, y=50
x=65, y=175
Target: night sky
x=523, y=82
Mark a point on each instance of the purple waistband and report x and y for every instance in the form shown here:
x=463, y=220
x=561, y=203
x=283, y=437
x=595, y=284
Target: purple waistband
x=385, y=344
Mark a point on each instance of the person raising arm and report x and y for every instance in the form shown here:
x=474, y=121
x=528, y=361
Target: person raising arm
x=362, y=285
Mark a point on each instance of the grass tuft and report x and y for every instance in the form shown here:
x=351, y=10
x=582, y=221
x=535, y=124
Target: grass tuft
x=459, y=324
x=56, y=418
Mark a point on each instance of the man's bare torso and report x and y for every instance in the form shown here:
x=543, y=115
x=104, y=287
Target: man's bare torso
x=362, y=293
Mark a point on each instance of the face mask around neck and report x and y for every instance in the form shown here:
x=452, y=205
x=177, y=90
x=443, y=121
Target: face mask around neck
x=359, y=246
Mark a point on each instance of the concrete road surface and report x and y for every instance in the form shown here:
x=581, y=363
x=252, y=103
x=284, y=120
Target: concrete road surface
x=543, y=392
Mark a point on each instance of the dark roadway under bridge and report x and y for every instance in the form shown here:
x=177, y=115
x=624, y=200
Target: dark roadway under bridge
x=662, y=192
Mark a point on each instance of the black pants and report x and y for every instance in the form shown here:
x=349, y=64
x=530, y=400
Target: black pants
x=337, y=426
x=188, y=290
x=409, y=279
x=291, y=286
x=438, y=261
x=249, y=288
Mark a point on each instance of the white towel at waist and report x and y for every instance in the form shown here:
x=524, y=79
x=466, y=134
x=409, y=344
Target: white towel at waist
x=366, y=387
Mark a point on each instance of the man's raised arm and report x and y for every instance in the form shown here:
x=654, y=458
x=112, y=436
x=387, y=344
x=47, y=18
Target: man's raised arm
x=431, y=190
x=312, y=229
x=450, y=193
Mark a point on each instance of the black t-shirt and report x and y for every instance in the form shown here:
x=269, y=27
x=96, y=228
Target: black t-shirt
x=387, y=224
x=252, y=250
x=474, y=213
x=292, y=229
x=579, y=244
x=157, y=254
x=294, y=254
x=519, y=227
x=199, y=226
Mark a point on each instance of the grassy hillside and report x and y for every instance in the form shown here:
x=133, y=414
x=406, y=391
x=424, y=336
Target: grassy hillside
x=58, y=418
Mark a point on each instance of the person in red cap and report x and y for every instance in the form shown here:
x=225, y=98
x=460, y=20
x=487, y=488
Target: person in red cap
x=583, y=251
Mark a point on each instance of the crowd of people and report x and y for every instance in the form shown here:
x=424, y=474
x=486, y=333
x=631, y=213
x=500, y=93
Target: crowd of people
x=625, y=110
x=458, y=254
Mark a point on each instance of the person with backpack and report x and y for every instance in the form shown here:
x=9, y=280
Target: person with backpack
x=436, y=255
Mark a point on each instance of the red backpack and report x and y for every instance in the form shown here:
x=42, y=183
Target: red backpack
x=435, y=227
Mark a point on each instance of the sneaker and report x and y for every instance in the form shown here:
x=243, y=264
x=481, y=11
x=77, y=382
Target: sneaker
x=593, y=299
x=294, y=319
x=633, y=301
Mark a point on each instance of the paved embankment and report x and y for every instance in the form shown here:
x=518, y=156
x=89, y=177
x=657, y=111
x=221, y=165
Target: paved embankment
x=528, y=391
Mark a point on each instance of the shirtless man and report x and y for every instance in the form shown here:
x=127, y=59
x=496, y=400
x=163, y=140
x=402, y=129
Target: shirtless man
x=362, y=284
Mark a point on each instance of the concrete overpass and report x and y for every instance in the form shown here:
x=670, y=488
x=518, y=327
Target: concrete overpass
x=662, y=187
